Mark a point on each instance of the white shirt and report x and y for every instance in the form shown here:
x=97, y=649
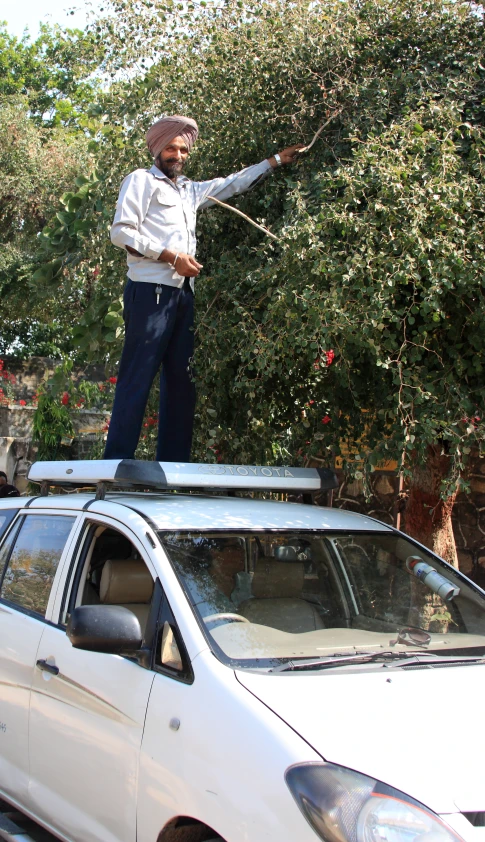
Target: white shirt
x=153, y=214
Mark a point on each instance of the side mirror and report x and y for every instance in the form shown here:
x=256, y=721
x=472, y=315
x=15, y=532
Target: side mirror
x=105, y=628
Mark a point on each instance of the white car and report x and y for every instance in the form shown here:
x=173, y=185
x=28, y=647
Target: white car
x=181, y=667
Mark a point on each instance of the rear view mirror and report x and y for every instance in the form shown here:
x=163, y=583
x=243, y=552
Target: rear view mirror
x=105, y=628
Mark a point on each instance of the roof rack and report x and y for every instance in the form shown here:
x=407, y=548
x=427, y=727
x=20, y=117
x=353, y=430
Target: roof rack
x=180, y=475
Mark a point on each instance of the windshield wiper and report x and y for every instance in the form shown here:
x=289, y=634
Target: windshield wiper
x=405, y=658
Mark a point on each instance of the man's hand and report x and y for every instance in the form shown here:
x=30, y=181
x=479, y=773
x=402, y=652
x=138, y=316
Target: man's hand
x=288, y=156
x=185, y=265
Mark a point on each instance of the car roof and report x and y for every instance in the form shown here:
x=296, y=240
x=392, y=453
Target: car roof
x=169, y=511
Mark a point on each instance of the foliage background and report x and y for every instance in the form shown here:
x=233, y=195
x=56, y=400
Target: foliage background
x=46, y=88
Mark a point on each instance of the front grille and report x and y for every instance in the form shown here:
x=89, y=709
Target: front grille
x=476, y=819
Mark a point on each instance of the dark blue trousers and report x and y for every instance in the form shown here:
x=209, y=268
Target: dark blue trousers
x=156, y=334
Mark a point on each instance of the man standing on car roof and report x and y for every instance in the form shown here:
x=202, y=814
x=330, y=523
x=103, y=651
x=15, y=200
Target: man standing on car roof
x=155, y=223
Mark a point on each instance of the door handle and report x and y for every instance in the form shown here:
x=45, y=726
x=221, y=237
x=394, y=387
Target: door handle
x=43, y=665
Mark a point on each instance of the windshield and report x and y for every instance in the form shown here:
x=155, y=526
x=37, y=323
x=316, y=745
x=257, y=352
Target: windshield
x=269, y=597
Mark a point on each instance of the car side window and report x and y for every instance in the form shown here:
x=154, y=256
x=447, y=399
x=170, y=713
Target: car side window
x=111, y=571
x=33, y=561
x=6, y=517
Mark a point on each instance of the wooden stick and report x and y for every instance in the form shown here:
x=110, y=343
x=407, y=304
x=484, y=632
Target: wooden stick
x=247, y=218
x=318, y=133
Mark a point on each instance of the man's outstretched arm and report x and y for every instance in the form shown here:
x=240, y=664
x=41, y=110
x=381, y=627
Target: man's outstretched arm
x=240, y=182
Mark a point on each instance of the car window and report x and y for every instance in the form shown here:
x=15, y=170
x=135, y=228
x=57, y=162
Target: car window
x=110, y=571
x=6, y=517
x=33, y=561
x=284, y=594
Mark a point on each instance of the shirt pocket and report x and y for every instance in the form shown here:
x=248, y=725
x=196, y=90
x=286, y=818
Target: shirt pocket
x=166, y=208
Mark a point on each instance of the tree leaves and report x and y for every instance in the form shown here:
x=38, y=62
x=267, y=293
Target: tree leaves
x=380, y=255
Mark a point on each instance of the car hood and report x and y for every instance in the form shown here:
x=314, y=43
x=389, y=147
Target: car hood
x=418, y=730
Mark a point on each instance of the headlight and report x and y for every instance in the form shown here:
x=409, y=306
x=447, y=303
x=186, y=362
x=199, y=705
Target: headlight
x=344, y=806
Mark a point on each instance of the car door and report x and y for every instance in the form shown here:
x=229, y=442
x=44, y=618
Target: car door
x=31, y=558
x=88, y=709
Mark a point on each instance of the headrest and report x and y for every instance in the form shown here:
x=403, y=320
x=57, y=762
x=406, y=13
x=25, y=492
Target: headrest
x=277, y=580
x=112, y=545
x=125, y=581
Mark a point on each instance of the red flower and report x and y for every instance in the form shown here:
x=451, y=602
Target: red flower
x=65, y=399
x=326, y=419
x=113, y=379
x=330, y=356
x=23, y=403
x=1, y=364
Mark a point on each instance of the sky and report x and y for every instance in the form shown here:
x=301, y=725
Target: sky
x=31, y=13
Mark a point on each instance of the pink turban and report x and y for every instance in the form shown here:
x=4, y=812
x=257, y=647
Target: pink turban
x=166, y=129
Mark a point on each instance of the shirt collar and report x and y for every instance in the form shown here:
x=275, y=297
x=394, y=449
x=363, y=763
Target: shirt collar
x=159, y=174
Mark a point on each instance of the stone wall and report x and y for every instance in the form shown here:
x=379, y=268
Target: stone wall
x=17, y=452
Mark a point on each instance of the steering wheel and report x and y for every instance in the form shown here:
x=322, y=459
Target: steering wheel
x=225, y=615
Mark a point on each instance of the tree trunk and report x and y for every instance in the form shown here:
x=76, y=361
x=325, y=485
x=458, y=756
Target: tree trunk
x=427, y=516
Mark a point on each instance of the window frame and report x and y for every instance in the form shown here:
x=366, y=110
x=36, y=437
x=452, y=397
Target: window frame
x=4, y=532
x=166, y=615
x=17, y=525
x=160, y=612
x=87, y=519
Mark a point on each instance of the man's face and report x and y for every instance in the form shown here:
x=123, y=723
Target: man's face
x=3, y=481
x=171, y=160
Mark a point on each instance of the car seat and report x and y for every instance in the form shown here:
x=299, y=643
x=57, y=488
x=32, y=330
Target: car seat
x=127, y=583
x=277, y=601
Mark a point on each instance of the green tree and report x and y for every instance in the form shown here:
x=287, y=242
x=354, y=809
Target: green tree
x=46, y=89
x=379, y=258
x=36, y=164
x=55, y=73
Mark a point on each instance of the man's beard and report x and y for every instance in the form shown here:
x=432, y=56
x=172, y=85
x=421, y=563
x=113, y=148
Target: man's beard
x=171, y=168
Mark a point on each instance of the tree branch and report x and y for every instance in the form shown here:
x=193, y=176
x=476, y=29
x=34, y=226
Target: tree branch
x=247, y=218
x=320, y=130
